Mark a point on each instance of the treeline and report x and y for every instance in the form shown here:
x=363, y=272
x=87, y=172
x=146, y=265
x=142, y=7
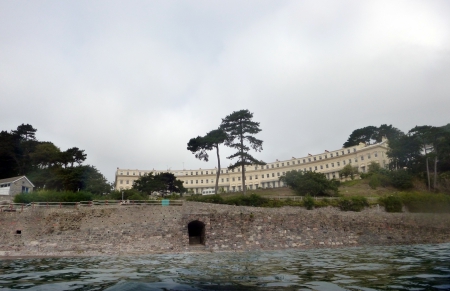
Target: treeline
x=423, y=151
x=46, y=165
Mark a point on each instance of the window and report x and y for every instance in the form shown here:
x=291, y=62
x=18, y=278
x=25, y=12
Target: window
x=239, y=178
x=326, y=166
x=267, y=166
x=232, y=170
x=309, y=159
x=273, y=174
x=368, y=156
x=288, y=163
x=206, y=181
x=250, y=177
x=283, y=173
x=128, y=182
x=354, y=150
x=338, y=164
x=278, y=165
x=314, y=158
x=320, y=157
x=256, y=177
x=332, y=165
x=121, y=182
x=278, y=174
x=282, y=164
x=222, y=180
x=298, y=162
x=342, y=152
x=267, y=175
x=348, y=151
x=196, y=173
x=134, y=174
x=192, y=173
x=362, y=158
x=376, y=155
x=201, y=181
x=239, y=169
x=256, y=168
x=207, y=172
x=304, y=160
x=128, y=173
x=310, y=169
x=121, y=173
x=228, y=179
x=331, y=155
x=321, y=167
x=192, y=181
x=201, y=172
x=196, y=181
x=272, y=166
x=315, y=168
x=233, y=179
x=187, y=182
x=343, y=162
x=356, y=160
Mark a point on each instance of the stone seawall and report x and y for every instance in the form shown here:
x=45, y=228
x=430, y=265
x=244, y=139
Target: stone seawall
x=124, y=230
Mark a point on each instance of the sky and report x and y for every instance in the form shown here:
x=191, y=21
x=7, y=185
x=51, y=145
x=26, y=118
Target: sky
x=131, y=82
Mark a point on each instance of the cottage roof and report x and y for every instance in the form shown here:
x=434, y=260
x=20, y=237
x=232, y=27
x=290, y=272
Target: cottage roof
x=14, y=179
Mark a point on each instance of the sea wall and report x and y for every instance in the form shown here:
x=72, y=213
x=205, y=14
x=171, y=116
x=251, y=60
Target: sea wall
x=131, y=229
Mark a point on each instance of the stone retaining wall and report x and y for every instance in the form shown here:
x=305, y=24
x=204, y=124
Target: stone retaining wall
x=154, y=229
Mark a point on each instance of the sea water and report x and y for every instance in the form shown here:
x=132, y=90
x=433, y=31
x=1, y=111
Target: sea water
x=415, y=267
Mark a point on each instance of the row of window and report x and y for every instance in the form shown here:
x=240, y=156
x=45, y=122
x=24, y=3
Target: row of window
x=5, y=185
x=282, y=164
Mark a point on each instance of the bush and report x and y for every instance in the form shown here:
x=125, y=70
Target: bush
x=217, y=199
x=391, y=203
x=354, y=203
x=426, y=202
x=401, y=179
x=53, y=196
x=308, y=202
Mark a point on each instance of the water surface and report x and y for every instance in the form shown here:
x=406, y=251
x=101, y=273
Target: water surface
x=418, y=267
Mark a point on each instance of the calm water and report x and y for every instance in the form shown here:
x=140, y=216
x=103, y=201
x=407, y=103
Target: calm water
x=419, y=267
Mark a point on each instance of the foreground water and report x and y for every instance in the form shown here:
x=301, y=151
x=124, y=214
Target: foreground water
x=418, y=267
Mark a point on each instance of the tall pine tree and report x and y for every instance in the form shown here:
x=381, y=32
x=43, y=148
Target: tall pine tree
x=241, y=129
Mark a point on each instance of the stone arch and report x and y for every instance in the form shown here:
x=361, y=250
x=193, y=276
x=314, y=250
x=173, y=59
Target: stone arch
x=196, y=230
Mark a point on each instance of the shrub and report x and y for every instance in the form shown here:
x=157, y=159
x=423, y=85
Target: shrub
x=401, y=179
x=391, y=203
x=426, y=202
x=354, y=203
x=308, y=202
x=53, y=196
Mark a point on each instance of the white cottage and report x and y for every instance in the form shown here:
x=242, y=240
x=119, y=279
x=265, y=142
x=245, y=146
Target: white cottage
x=11, y=186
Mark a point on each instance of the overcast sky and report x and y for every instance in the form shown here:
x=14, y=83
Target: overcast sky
x=130, y=82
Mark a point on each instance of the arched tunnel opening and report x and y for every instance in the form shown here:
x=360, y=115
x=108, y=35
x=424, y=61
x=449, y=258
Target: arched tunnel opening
x=196, y=230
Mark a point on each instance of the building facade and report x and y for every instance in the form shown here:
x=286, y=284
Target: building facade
x=12, y=186
x=267, y=176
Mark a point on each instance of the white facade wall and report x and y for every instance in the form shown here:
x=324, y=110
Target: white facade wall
x=329, y=163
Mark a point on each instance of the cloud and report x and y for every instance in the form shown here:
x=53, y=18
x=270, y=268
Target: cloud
x=132, y=83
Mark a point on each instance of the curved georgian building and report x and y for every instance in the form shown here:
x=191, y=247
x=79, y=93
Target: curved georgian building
x=328, y=162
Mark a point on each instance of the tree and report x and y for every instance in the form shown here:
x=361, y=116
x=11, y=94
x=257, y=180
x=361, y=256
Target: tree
x=162, y=183
x=312, y=183
x=200, y=146
x=241, y=130
x=372, y=134
x=348, y=170
x=45, y=155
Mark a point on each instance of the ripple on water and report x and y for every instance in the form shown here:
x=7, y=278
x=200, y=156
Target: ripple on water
x=421, y=267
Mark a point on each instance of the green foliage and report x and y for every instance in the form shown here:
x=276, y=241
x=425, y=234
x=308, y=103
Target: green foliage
x=391, y=203
x=53, y=196
x=354, y=203
x=349, y=170
x=401, y=179
x=372, y=134
x=240, y=129
x=201, y=145
x=161, y=183
x=313, y=183
x=308, y=202
x=426, y=202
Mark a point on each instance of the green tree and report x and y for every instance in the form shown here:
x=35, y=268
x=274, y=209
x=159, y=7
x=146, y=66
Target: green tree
x=241, y=129
x=161, y=182
x=45, y=155
x=313, y=183
x=201, y=145
x=349, y=170
x=364, y=135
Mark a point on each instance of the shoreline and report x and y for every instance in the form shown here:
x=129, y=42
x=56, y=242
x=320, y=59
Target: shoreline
x=208, y=228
